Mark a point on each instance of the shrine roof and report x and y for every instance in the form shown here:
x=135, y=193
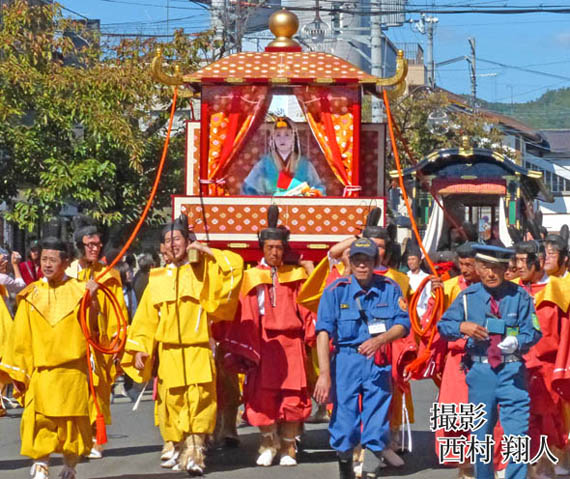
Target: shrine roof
x=277, y=67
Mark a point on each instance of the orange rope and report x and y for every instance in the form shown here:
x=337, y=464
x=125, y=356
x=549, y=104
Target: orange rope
x=437, y=311
x=420, y=176
x=118, y=342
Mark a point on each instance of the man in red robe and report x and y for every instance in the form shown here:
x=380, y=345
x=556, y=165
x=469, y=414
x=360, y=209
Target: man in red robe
x=551, y=300
x=268, y=341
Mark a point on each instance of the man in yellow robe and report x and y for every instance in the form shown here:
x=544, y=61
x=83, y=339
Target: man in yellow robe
x=88, y=243
x=45, y=356
x=172, y=322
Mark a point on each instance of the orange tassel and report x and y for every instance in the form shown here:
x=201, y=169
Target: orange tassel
x=101, y=434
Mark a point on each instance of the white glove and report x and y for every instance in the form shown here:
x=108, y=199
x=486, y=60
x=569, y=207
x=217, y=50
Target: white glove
x=508, y=345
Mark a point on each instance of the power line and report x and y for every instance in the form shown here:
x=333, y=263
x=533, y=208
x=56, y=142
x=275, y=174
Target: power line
x=72, y=11
x=150, y=22
x=143, y=35
x=441, y=10
x=522, y=69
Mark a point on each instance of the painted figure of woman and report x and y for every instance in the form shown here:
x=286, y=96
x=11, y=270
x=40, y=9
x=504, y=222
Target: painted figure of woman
x=284, y=171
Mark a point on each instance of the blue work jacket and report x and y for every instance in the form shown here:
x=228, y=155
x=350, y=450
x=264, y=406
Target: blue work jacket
x=515, y=307
x=339, y=314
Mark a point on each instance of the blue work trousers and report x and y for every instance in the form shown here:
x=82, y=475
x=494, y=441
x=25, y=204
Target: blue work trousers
x=355, y=376
x=504, y=386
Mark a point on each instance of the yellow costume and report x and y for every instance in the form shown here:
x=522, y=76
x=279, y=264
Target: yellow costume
x=451, y=289
x=5, y=325
x=312, y=289
x=172, y=320
x=46, y=352
x=107, y=327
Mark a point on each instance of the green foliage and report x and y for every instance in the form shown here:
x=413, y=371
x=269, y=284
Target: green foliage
x=550, y=111
x=83, y=124
x=412, y=113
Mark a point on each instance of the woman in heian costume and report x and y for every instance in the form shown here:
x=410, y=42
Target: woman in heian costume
x=284, y=171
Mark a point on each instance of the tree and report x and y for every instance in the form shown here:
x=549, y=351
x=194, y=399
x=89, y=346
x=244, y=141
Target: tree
x=78, y=117
x=429, y=121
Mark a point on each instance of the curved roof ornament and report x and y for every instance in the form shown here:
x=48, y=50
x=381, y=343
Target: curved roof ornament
x=160, y=75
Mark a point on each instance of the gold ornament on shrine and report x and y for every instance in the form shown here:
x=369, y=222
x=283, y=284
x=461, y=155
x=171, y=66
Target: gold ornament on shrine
x=283, y=24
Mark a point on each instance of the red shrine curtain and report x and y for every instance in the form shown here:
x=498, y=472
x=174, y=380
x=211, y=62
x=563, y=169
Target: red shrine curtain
x=229, y=115
x=333, y=114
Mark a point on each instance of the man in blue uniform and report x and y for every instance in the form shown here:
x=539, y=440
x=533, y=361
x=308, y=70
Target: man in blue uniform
x=363, y=314
x=499, y=320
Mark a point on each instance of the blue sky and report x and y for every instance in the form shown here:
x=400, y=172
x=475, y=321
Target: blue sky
x=538, y=41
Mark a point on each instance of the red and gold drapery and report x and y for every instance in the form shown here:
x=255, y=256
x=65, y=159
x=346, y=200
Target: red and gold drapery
x=333, y=114
x=229, y=115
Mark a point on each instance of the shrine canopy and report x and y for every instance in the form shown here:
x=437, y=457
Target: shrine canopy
x=476, y=171
x=236, y=93
x=281, y=68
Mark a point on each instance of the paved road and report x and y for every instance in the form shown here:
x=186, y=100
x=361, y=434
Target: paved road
x=135, y=445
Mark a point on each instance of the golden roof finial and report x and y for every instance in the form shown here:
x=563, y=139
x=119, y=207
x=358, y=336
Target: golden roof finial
x=283, y=24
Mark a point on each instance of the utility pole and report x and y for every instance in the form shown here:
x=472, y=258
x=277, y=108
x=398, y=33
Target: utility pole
x=239, y=26
x=430, y=28
x=510, y=87
x=473, y=68
x=376, y=56
x=426, y=26
x=216, y=19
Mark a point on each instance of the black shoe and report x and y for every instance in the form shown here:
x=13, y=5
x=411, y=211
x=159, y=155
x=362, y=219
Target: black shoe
x=345, y=469
x=230, y=441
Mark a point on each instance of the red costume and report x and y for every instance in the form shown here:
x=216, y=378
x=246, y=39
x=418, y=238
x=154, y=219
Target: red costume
x=453, y=388
x=267, y=340
x=30, y=272
x=547, y=363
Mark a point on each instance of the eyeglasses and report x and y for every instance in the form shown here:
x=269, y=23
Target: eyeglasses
x=93, y=245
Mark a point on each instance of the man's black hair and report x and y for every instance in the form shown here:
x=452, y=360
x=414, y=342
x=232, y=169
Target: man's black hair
x=465, y=250
x=558, y=244
x=56, y=244
x=179, y=224
x=84, y=226
x=533, y=249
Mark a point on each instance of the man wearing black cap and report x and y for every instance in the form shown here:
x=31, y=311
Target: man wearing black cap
x=172, y=322
x=498, y=318
x=88, y=243
x=269, y=338
x=413, y=257
x=416, y=275
x=547, y=361
x=45, y=357
x=362, y=314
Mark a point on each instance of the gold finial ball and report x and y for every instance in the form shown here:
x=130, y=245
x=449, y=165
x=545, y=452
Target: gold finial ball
x=283, y=23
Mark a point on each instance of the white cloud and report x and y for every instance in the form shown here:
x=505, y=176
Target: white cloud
x=563, y=39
